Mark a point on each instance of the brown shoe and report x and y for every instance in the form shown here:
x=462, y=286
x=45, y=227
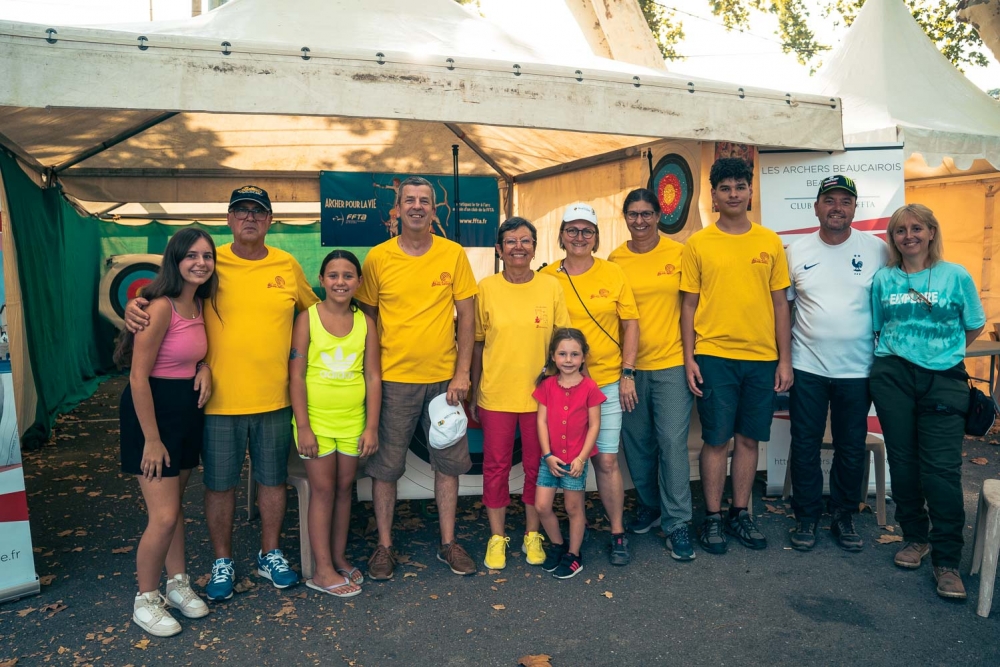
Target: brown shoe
x=949, y=583
x=457, y=558
x=382, y=564
x=911, y=554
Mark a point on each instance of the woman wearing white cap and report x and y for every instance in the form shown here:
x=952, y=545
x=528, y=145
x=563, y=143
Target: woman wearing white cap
x=516, y=312
x=601, y=304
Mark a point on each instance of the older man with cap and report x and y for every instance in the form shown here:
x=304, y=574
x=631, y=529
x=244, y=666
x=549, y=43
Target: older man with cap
x=414, y=286
x=833, y=346
x=249, y=338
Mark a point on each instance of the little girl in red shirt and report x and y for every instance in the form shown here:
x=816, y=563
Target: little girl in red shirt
x=569, y=418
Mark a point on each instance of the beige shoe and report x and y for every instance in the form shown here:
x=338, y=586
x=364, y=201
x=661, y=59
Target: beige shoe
x=911, y=554
x=181, y=597
x=149, y=614
x=949, y=583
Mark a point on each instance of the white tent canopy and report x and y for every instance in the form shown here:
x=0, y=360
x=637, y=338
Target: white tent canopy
x=274, y=92
x=897, y=87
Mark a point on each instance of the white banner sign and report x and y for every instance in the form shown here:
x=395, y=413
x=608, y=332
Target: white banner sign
x=789, y=182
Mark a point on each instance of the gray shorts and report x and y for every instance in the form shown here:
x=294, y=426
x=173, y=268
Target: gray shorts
x=404, y=407
x=269, y=436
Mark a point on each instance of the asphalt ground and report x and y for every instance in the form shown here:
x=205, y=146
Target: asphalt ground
x=773, y=607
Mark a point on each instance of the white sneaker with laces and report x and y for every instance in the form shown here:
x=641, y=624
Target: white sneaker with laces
x=149, y=614
x=181, y=597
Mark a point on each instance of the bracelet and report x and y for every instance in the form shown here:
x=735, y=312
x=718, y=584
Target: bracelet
x=546, y=455
x=202, y=364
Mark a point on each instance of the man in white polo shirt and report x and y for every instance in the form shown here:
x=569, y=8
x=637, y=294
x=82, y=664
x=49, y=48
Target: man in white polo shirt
x=832, y=352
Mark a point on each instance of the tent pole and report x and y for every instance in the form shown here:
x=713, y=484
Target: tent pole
x=458, y=220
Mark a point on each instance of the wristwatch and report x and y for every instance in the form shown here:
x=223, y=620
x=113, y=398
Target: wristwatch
x=628, y=373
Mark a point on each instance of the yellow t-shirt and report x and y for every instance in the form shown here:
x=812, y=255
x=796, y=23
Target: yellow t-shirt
x=248, y=349
x=609, y=299
x=734, y=274
x=415, y=297
x=655, y=278
x=516, y=323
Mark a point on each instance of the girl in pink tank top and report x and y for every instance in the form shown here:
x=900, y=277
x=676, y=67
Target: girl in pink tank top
x=162, y=421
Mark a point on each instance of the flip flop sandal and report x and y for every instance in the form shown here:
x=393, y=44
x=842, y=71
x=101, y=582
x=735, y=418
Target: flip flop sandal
x=334, y=589
x=354, y=574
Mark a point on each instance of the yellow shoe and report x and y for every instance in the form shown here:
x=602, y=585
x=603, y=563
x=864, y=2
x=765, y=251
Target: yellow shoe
x=496, y=553
x=532, y=546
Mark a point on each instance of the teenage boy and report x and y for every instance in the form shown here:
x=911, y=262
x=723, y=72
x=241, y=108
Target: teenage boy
x=735, y=330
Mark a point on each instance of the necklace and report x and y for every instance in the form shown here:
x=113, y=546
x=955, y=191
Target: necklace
x=920, y=296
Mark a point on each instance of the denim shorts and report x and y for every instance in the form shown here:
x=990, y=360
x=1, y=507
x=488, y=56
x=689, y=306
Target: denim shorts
x=610, y=435
x=547, y=480
x=737, y=397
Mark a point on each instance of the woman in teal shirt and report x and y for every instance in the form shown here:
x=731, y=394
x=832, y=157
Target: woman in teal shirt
x=925, y=312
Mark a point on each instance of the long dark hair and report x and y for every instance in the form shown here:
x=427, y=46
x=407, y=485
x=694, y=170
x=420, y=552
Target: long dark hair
x=169, y=282
x=558, y=336
x=350, y=257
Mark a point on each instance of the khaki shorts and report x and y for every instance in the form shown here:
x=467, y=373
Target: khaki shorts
x=404, y=407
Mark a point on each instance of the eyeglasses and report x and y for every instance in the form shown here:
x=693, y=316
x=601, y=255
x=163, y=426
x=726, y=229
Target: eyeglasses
x=923, y=300
x=632, y=216
x=585, y=232
x=513, y=243
x=242, y=213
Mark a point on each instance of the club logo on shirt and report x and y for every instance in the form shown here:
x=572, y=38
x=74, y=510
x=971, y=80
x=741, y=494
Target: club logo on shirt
x=445, y=280
x=763, y=259
x=601, y=294
x=541, y=318
x=668, y=270
x=857, y=264
x=278, y=283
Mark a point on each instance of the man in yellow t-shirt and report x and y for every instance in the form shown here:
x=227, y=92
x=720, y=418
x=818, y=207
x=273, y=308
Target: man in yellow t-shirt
x=736, y=331
x=412, y=286
x=249, y=339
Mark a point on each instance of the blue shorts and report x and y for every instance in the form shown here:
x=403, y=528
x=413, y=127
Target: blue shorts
x=610, y=434
x=549, y=481
x=738, y=397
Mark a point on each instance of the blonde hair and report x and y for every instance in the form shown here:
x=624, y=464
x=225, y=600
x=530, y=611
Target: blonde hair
x=924, y=216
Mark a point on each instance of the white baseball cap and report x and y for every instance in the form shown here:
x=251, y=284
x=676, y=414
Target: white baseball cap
x=580, y=211
x=448, y=422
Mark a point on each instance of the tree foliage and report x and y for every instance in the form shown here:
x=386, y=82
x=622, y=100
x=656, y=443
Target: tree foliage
x=667, y=30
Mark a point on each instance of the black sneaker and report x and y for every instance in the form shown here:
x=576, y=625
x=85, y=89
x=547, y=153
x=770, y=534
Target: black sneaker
x=842, y=529
x=619, y=550
x=645, y=518
x=804, y=536
x=570, y=566
x=711, y=537
x=553, y=556
x=744, y=529
x=679, y=543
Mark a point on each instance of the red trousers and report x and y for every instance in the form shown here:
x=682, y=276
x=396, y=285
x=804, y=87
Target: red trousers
x=498, y=451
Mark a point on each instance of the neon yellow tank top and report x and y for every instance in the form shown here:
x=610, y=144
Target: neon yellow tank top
x=335, y=379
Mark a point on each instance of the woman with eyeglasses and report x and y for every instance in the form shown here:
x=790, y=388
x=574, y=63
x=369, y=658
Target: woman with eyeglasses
x=601, y=304
x=516, y=313
x=925, y=312
x=655, y=433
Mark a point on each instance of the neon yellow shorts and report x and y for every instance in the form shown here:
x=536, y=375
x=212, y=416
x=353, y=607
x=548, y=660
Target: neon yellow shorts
x=327, y=445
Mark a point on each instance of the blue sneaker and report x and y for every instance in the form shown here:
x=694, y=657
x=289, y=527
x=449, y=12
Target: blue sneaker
x=679, y=543
x=273, y=566
x=223, y=577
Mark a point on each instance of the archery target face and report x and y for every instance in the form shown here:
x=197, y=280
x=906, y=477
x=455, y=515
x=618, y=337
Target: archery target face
x=126, y=276
x=672, y=184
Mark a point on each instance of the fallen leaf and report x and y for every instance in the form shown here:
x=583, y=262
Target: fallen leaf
x=608, y=594
x=889, y=539
x=433, y=597
x=46, y=580
x=243, y=585
x=409, y=574
x=600, y=577
x=284, y=611
x=25, y=612
x=141, y=644
x=891, y=529
x=202, y=581
x=499, y=581
x=63, y=649
x=499, y=607
x=53, y=608
x=122, y=550
x=979, y=460
x=64, y=533
x=8, y=663
x=541, y=660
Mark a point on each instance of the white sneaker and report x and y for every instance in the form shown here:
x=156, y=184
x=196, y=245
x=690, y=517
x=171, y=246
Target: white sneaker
x=150, y=615
x=180, y=596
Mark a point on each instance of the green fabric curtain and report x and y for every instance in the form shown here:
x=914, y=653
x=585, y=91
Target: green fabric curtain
x=59, y=268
